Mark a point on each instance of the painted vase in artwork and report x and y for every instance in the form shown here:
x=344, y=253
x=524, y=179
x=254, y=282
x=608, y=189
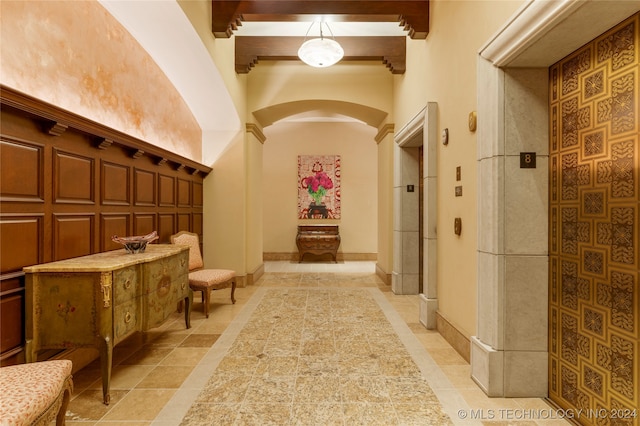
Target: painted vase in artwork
x=317, y=186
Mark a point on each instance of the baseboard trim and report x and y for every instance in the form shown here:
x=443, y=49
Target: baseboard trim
x=275, y=256
x=255, y=275
x=456, y=339
x=383, y=275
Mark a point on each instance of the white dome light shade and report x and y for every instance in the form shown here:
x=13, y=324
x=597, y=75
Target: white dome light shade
x=320, y=52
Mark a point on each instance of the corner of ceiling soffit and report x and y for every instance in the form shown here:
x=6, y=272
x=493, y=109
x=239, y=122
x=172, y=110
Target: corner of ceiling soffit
x=412, y=17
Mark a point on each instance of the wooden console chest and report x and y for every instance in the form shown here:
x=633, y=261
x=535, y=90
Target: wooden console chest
x=98, y=300
x=318, y=239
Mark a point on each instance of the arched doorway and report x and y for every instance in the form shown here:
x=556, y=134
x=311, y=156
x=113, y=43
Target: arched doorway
x=324, y=127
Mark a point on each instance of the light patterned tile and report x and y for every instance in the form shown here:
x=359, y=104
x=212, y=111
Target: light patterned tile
x=405, y=390
x=364, y=389
x=277, y=366
x=319, y=366
x=297, y=307
x=398, y=366
x=424, y=414
x=370, y=414
x=319, y=347
x=310, y=389
x=277, y=389
x=326, y=414
x=264, y=414
x=354, y=346
x=225, y=389
x=247, y=347
x=238, y=365
x=211, y=414
x=282, y=347
x=357, y=365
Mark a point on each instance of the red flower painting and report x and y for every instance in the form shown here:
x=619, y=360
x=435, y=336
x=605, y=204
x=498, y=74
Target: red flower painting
x=319, y=186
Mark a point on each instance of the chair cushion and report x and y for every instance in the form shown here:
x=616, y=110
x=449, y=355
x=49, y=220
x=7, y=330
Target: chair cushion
x=29, y=389
x=211, y=278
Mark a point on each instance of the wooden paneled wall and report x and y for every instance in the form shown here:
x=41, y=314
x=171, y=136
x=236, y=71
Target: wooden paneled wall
x=67, y=185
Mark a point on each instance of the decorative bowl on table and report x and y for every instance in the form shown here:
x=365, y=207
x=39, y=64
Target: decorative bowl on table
x=135, y=244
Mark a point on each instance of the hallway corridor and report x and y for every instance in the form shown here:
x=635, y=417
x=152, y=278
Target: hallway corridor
x=148, y=379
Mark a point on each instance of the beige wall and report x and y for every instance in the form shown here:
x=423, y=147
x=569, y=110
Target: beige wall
x=225, y=211
x=279, y=82
x=385, y=200
x=255, y=197
x=77, y=56
x=233, y=216
x=222, y=51
x=442, y=69
x=355, y=144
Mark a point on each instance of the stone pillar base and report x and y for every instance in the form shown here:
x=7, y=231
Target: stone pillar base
x=486, y=368
x=428, y=309
x=509, y=374
x=396, y=283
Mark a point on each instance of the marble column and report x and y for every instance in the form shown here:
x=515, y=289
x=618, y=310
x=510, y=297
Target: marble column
x=509, y=353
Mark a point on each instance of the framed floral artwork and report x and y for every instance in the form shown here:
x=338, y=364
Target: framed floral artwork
x=318, y=187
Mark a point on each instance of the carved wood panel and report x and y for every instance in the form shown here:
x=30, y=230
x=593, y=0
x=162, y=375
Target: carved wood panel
x=594, y=335
x=144, y=223
x=184, y=221
x=184, y=193
x=116, y=184
x=144, y=188
x=23, y=187
x=166, y=190
x=65, y=193
x=73, y=178
x=73, y=235
x=113, y=224
x=197, y=190
x=25, y=229
x=166, y=225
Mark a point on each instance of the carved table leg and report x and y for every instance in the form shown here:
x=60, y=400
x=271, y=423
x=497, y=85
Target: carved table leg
x=106, y=356
x=188, y=302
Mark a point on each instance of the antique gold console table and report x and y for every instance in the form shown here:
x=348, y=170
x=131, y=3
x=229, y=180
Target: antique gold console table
x=96, y=301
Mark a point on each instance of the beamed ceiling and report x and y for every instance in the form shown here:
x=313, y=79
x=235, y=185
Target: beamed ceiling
x=412, y=17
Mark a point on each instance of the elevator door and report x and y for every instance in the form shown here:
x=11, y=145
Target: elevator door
x=594, y=305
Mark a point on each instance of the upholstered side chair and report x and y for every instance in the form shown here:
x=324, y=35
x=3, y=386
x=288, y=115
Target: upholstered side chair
x=35, y=393
x=201, y=279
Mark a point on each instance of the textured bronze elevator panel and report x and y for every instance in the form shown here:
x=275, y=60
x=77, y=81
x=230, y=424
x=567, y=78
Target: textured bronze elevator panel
x=594, y=298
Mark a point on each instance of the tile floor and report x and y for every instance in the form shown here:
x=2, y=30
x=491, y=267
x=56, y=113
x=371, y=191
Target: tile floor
x=311, y=356
x=150, y=372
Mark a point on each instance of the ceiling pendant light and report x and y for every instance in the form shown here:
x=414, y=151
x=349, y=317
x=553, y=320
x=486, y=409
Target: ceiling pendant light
x=320, y=52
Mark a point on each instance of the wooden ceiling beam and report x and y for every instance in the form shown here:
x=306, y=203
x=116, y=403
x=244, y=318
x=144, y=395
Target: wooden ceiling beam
x=413, y=15
x=390, y=50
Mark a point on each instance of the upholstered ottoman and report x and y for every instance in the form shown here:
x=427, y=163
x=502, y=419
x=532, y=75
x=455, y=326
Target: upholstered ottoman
x=35, y=393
